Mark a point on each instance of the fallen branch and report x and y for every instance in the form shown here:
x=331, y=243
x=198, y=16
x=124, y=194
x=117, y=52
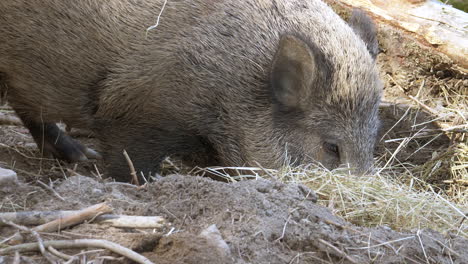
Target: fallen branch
x=130, y=221
x=80, y=243
x=30, y=218
x=127, y=221
x=59, y=254
x=76, y=218
x=63, y=222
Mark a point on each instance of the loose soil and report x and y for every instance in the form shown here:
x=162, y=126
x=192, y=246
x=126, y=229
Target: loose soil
x=261, y=221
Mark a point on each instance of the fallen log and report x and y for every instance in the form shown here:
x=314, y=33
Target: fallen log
x=433, y=24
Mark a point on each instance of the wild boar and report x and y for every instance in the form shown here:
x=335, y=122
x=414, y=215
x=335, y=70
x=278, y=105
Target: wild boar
x=231, y=83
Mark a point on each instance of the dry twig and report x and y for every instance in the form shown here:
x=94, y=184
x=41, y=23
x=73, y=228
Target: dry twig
x=59, y=254
x=40, y=243
x=80, y=243
x=127, y=221
x=76, y=218
x=337, y=250
x=51, y=190
x=132, y=168
x=73, y=219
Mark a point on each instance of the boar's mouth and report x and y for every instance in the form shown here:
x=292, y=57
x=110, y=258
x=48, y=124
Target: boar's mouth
x=330, y=140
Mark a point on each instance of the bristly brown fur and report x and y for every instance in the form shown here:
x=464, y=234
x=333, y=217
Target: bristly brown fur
x=197, y=86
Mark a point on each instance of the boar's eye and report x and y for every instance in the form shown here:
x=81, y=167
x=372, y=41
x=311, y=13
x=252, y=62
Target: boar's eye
x=331, y=148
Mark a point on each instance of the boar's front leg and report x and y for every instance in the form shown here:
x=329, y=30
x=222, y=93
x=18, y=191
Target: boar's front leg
x=52, y=140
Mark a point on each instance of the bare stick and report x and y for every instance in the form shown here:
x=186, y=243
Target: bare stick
x=80, y=243
x=59, y=254
x=422, y=245
x=51, y=190
x=284, y=229
x=424, y=106
x=29, y=218
x=265, y=170
x=92, y=251
x=337, y=250
x=109, y=258
x=128, y=221
x=8, y=238
x=80, y=216
x=122, y=184
x=421, y=104
x=132, y=168
x=73, y=219
x=40, y=243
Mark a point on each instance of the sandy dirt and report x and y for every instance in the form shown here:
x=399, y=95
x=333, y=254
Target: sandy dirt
x=261, y=221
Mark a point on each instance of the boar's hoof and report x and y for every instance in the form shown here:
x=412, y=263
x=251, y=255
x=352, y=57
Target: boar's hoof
x=92, y=154
x=52, y=140
x=65, y=148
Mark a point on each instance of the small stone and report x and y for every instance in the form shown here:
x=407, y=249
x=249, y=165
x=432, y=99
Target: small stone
x=97, y=192
x=7, y=177
x=213, y=236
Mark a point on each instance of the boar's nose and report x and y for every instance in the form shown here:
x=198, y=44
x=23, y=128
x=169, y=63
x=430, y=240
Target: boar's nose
x=358, y=163
x=358, y=169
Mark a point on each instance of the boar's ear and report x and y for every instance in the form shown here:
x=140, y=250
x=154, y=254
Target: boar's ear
x=365, y=29
x=293, y=72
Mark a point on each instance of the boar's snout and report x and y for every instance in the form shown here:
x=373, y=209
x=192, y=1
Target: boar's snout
x=357, y=157
x=361, y=164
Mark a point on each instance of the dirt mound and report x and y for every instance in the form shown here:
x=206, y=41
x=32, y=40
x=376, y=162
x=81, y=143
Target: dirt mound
x=261, y=221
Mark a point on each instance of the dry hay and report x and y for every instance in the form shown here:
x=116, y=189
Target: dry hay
x=380, y=199
x=403, y=193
